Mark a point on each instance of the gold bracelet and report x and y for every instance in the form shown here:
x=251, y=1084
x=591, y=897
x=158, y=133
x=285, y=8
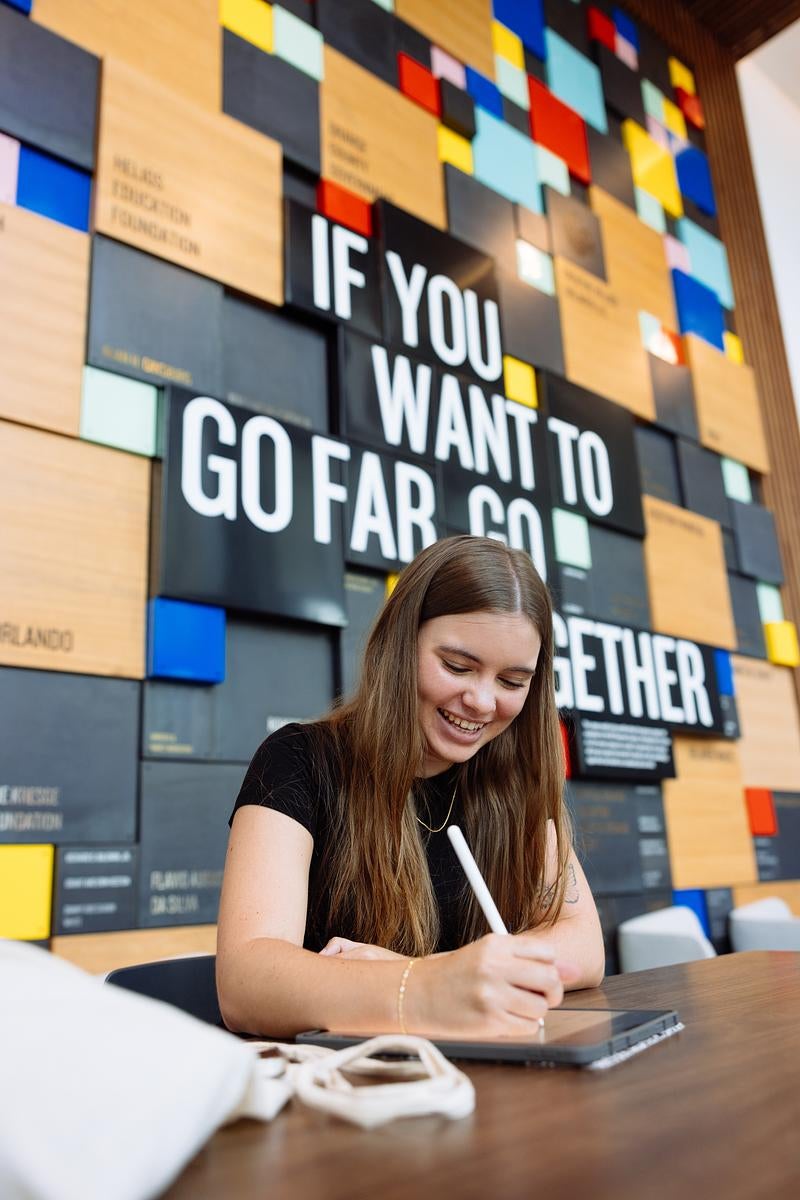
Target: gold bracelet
x=401, y=995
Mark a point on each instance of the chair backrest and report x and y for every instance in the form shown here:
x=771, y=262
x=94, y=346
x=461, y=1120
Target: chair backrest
x=661, y=938
x=188, y=982
x=765, y=924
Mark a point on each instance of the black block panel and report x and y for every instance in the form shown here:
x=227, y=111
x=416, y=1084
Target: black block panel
x=274, y=673
x=719, y=903
x=411, y=42
x=274, y=365
x=516, y=116
x=481, y=217
x=531, y=324
x=611, y=166
x=613, y=910
x=273, y=97
x=568, y=20
x=364, y=32
x=458, y=109
x=533, y=227
x=746, y=616
x=48, y=90
x=95, y=888
x=618, y=581
x=620, y=837
x=653, y=846
x=184, y=810
x=621, y=86
x=674, y=397
x=68, y=757
x=152, y=320
x=654, y=58
x=756, y=542
x=575, y=232
x=393, y=509
x=387, y=399
x=364, y=595
x=701, y=481
x=658, y=464
x=610, y=749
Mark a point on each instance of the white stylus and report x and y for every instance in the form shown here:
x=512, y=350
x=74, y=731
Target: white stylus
x=476, y=880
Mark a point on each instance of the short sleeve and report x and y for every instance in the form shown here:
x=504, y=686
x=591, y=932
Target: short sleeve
x=281, y=777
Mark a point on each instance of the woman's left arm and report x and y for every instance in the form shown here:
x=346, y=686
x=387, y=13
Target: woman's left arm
x=576, y=936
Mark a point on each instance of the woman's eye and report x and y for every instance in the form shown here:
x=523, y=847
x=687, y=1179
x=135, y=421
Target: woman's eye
x=511, y=683
x=455, y=669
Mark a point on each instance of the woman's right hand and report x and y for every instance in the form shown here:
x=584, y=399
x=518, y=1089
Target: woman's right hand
x=500, y=985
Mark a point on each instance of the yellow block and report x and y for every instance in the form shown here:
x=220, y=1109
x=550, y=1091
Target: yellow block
x=520, y=381
x=26, y=888
x=782, y=645
x=733, y=346
x=248, y=19
x=674, y=119
x=455, y=149
x=507, y=45
x=391, y=583
x=681, y=76
x=653, y=167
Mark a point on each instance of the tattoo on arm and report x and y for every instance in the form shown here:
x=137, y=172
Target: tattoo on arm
x=571, y=895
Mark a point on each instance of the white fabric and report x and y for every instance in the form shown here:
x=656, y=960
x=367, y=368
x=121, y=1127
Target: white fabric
x=661, y=938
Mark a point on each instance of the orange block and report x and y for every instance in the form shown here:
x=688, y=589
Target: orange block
x=691, y=107
x=419, y=84
x=344, y=207
x=761, y=811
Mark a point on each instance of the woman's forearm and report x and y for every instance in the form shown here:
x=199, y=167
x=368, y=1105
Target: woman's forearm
x=578, y=940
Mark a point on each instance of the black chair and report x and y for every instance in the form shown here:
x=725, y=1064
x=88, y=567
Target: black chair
x=188, y=983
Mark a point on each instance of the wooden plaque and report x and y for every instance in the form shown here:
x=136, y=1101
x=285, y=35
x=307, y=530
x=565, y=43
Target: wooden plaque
x=770, y=724
x=707, y=758
x=686, y=577
x=376, y=142
x=73, y=543
x=709, y=836
x=602, y=344
x=783, y=889
x=103, y=952
x=728, y=413
x=175, y=41
x=44, y=267
x=636, y=266
x=462, y=27
x=197, y=188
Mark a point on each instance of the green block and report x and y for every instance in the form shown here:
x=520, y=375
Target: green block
x=650, y=211
x=770, y=605
x=297, y=42
x=571, y=533
x=387, y=4
x=653, y=101
x=119, y=412
x=736, y=478
x=511, y=81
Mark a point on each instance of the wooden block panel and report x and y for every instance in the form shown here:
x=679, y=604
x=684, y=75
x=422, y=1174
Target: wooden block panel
x=73, y=543
x=709, y=835
x=462, y=27
x=707, y=758
x=26, y=887
x=636, y=265
x=376, y=142
x=770, y=724
x=100, y=953
x=175, y=41
x=602, y=344
x=788, y=890
x=156, y=156
x=728, y=414
x=686, y=576
x=44, y=267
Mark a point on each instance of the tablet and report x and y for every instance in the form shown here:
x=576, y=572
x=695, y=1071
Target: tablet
x=574, y=1036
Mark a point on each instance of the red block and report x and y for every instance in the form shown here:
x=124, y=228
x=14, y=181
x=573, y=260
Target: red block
x=691, y=107
x=601, y=29
x=560, y=129
x=419, y=84
x=565, y=744
x=344, y=207
x=761, y=811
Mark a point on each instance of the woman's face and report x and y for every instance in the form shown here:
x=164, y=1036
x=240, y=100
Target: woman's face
x=474, y=672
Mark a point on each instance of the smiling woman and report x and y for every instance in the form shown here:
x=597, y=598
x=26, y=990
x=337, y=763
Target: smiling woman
x=339, y=876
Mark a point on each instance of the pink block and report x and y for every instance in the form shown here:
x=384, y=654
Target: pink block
x=444, y=66
x=657, y=132
x=627, y=52
x=678, y=258
x=9, y=165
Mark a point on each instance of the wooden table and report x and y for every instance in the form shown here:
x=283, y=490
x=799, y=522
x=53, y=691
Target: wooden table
x=713, y=1113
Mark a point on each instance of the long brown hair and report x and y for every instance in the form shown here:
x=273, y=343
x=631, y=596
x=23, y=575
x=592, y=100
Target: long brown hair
x=377, y=874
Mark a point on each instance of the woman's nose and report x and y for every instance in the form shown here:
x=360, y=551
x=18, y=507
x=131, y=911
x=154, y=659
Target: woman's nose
x=479, y=697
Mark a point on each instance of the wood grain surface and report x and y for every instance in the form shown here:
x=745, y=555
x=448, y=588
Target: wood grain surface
x=712, y=1111
x=769, y=747
x=461, y=27
x=44, y=268
x=100, y=953
x=726, y=400
x=636, y=265
x=200, y=189
x=708, y=833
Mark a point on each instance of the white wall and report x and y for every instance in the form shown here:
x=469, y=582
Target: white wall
x=769, y=83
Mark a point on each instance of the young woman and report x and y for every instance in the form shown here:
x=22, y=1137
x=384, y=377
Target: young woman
x=340, y=877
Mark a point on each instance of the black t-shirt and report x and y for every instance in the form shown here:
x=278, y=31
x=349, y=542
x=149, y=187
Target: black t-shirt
x=285, y=775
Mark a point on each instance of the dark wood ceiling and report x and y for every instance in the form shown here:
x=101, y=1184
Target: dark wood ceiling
x=743, y=25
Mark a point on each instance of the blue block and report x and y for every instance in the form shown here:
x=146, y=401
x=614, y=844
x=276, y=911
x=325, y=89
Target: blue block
x=725, y=684
x=505, y=160
x=694, y=179
x=709, y=259
x=24, y=6
x=485, y=93
x=699, y=310
x=575, y=80
x=525, y=18
x=50, y=187
x=185, y=641
x=695, y=899
x=625, y=27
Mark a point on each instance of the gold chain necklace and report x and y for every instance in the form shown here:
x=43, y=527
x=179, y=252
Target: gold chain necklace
x=447, y=818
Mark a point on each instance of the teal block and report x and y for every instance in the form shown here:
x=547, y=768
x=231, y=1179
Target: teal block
x=649, y=328
x=505, y=160
x=297, y=42
x=535, y=267
x=709, y=260
x=511, y=81
x=650, y=210
x=571, y=533
x=387, y=4
x=653, y=101
x=770, y=605
x=119, y=412
x=736, y=481
x=575, y=80
x=552, y=170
